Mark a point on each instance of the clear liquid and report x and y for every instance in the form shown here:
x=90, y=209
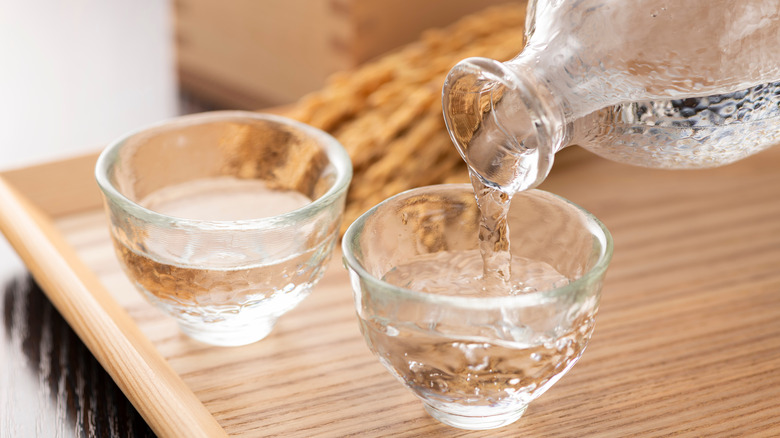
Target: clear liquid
x=493, y=234
x=223, y=296
x=461, y=273
x=475, y=376
x=489, y=270
x=218, y=290
x=223, y=199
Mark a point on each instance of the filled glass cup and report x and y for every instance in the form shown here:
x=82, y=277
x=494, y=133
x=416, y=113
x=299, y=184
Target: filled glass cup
x=475, y=356
x=225, y=220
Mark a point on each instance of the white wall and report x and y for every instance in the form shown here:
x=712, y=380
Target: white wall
x=75, y=74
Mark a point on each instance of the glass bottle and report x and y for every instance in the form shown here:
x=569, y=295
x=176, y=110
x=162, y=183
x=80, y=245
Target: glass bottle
x=655, y=83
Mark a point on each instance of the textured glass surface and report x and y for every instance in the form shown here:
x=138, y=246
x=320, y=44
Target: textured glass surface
x=476, y=361
x=225, y=220
x=656, y=83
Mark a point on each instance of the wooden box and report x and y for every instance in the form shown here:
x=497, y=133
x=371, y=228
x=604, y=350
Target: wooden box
x=256, y=53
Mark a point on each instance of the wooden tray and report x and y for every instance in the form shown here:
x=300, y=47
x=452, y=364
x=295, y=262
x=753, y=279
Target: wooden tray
x=687, y=340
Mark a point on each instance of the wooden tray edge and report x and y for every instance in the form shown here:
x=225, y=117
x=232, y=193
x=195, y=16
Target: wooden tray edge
x=166, y=403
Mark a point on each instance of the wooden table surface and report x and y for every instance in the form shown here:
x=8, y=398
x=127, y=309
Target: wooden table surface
x=687, y=339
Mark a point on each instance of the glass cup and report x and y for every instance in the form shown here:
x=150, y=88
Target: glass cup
x=476, y=361
x=225, y=220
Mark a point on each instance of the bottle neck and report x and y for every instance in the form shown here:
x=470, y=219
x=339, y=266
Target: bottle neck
x=505, y=121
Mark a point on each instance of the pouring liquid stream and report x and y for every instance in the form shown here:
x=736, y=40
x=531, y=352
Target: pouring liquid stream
x=502, y=274
x=489, y=270
x=493, y=207
x=512, y=160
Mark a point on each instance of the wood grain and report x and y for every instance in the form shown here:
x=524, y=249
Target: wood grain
x=113, y=338
x=51, y=385
x=687, y=340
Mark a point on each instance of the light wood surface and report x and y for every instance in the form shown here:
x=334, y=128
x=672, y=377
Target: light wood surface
x=687, y=340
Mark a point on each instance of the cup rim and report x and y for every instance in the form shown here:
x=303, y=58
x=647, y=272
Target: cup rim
x=336, y=153
x=596, y=227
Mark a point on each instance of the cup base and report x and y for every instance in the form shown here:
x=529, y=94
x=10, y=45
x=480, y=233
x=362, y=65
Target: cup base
x=483, y=422
x=228, y=337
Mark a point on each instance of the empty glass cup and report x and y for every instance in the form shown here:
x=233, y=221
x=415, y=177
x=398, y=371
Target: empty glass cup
x=476, y=361
x=225, y=220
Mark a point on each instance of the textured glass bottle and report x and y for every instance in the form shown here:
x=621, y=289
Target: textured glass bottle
x=655, y=83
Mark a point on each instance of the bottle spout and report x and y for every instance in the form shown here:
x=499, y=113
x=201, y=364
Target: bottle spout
x=502, y=122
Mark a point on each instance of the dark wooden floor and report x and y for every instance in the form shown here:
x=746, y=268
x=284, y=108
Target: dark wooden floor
x=51, y=385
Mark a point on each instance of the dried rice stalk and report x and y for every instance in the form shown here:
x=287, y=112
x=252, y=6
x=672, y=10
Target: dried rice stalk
x=387, y=113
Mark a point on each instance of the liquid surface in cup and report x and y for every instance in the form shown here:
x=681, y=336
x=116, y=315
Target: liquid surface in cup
x=211, y=290
x=461, y=273
x=209, y=295
x=223, y=199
